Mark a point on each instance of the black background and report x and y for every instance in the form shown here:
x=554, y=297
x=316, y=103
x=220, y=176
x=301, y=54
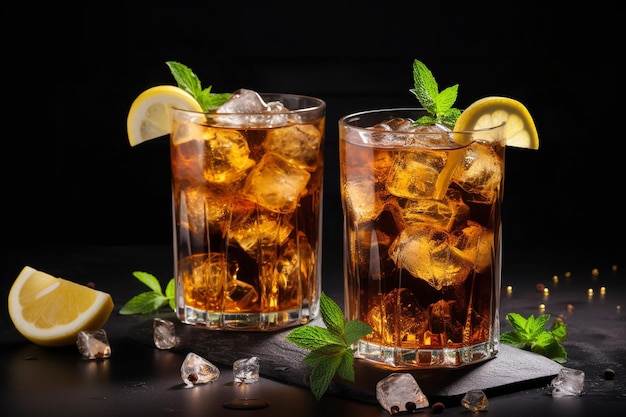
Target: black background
x=70, y=76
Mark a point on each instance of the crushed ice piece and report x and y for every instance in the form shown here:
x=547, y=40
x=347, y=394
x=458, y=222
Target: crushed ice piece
x=164, y=334
x=475, y=400
x=93, y=344
x=568, y=382
x=246, y=370
x=400, y=392
x=197, y=370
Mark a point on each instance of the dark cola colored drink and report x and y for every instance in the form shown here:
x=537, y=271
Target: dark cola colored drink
x=422, y=239
x=247, y=203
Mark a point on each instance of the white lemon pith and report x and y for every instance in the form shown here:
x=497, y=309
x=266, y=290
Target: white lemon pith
x=149, y=116
x=519, y=131
x=52, y=311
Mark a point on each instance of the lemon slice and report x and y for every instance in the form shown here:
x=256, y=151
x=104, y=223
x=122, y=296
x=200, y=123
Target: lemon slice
x=52, y=311
x=487, y=112
x=149, y=115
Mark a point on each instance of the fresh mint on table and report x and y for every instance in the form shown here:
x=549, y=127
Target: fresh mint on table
x=532, y=334
x=330, y=346
x=188, y=81
x=149, y=301
x=437, y=103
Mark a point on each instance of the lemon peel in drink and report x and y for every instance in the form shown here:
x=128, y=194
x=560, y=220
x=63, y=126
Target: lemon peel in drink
x=51, y=311
x=488, y=112
x=150, y=117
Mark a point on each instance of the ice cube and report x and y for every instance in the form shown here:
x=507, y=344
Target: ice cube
x=292, y=273
x=448, y=213
x=240, y=296
x=425, y=252
x=246, y=370
x=253, y=109
x=93, y=344
x=197, y=370
x=225, y=156
x=364, y=200
x=164, y=333
x=202, y=207
x=400, y=392
x=475, y=244
x=479, y=172
x=276, y=184
x=568, y=382
x=204, y=276
x=398, y=318
x=299, y=144
x=418, y=173
x=475, y=400
x=256, y=228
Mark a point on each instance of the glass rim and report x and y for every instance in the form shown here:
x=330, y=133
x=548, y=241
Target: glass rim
x=345, y=121
x=317, y=105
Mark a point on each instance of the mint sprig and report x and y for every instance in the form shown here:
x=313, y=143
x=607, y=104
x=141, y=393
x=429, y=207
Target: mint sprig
x=330, y=347
x=531, y=334
x=189, y=81
x=149, y=301
x=437, y=103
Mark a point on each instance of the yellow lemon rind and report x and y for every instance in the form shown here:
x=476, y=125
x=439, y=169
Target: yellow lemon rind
x=520, y=130
x=59, y=335
x=149, y=115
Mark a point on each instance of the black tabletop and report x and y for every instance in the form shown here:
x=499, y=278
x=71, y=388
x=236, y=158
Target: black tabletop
x=139, y=379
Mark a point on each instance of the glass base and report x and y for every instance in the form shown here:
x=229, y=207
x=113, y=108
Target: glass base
x=244, y=321
x=426, y=358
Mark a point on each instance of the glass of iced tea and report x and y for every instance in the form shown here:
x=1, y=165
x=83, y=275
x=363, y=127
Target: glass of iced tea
x=422, y=233
x=247, y=204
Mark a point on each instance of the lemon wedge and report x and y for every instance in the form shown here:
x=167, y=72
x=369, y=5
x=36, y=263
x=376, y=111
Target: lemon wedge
x=519, y=131
x=52, y=311
x=149, y=115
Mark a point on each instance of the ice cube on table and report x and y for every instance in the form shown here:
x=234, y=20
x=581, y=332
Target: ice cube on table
x=197, y=370
x=475, y=400
x=246, y=370
x=568, y=382
x=164, y=333
x=93, y=344
x=400, y=392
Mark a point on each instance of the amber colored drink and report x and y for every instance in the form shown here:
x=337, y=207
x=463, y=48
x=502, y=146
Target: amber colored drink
x=422, y=234
x=247, y=199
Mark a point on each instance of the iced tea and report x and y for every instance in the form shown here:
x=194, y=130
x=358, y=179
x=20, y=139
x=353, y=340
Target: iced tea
x=247, y=199
x=421, y=238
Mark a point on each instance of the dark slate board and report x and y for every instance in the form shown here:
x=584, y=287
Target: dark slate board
x=512, y=369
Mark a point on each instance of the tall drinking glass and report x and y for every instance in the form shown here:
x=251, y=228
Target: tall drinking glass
x=247, y=204
x=422, y=233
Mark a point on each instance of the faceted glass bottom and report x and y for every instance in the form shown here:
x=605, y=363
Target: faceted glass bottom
x=426, y=358
x=245, y=321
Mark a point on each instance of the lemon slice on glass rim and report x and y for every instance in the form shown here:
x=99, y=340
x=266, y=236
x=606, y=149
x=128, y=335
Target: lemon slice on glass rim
x=51, y=311
x=149, y=116
x=519, y=131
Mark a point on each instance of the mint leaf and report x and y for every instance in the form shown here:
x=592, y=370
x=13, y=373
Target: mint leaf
x=149, y=280
x=316, y=338
x=185, y=78
x=170, y=293
x=438, y=104
x=331, y=314
x=323, y=369
x=149, y=301
x=189, y=81
x=143, y=303
x=354, y=330
x=330, y=347
x=531, y=334
x=346, y=367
